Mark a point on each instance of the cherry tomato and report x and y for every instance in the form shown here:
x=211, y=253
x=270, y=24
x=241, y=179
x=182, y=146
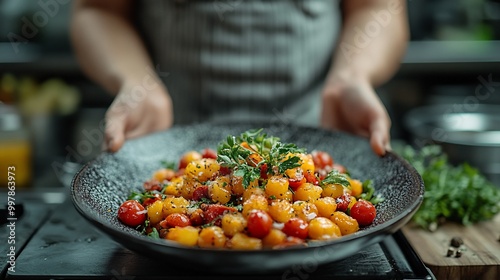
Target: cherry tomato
x=213, y=211
x=150, y=200
x=152, y=185
x=177, y=220
x=132, y=213
x=263, y=171
x=364, y=212
x=200, y=192
x=224, y=170
x=197, y=217
x=295, y=184
x=259, y=223
x=311, y=178
x=297, y=180
x=188, y=157
x=209, y=153
x=343, y=202
x=322, y=159
x=296, y=227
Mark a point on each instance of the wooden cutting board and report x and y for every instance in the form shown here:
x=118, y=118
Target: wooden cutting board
x=480, y=258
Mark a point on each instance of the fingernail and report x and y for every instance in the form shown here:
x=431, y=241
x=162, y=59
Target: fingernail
x=109, y=143
x=388, y=147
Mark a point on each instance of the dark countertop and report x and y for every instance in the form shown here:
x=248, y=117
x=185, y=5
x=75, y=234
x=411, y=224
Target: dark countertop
x=66, y=246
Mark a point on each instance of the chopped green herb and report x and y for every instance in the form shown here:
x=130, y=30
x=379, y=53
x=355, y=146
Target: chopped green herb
x=456, y=193
x=290, y=163
x=169, y=164
x=208, y=224
x=335, y=177
x=206, y=200
x=154, y=234
x=369, y=191
x=234, y=204
x=140, y=197
x=232, y=154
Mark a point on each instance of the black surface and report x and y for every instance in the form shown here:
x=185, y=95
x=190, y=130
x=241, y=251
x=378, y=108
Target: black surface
x=33, y=215
x=69, y=247
x=105, y=183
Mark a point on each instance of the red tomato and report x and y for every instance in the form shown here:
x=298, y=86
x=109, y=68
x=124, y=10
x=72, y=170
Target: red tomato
x=263, y=171
x=151, y=200
x=311, y=178
x=200, y=192
x=224, y=170
x=163, y=224
x=209, y=153
x=214, y=211
x=259, y=223
x=364, y=212
x=322, y=159
x=177, y=220
x=188, y=157
x=152, y=185
x=296, y=227
x=298, y=180
x=132, y=213
x=197, y=217
x=343, y=202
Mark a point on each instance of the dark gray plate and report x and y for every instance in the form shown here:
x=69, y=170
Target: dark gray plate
x=103, y=184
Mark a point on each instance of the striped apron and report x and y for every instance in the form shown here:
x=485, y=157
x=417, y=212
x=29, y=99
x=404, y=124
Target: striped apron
x=242, y=60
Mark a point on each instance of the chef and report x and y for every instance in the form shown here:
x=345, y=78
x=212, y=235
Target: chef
x=311, y=62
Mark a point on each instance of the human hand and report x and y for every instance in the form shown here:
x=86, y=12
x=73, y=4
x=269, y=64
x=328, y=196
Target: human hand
x=137, y=111
x=353, y=106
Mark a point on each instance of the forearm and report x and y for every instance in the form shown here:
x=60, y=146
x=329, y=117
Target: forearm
x=106, y=44
x=373, y=40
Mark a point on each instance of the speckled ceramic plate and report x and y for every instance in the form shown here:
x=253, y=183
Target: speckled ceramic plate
x=104, y=183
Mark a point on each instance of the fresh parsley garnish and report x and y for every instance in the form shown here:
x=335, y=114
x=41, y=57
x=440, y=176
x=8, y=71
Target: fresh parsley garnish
x=234, y=204
x=154, y=234
x=289, y=163
x=234, y=153
x=248, y=173
x=140, y=197
x=206, y=200
x=369, y=191
x=335, y=177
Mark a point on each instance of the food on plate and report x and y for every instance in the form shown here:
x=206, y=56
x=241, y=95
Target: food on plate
x=255, y=192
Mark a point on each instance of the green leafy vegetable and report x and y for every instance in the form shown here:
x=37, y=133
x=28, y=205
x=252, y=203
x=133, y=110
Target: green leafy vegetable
x=169, y=164
x=335, y=177
x=154, y=234
x=248, y=173
x=457, y=193
x=140, y=197
x=368, y=193
x=233, y=154
x=289, y=163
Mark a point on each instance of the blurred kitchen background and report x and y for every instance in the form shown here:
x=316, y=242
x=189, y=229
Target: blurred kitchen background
x=51, y=119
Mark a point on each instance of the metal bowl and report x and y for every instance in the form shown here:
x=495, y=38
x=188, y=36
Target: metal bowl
x=103, y=184
x=466, y=133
